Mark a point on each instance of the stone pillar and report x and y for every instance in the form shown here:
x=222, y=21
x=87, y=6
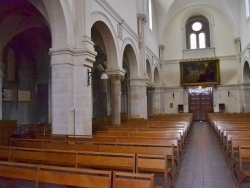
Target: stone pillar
x=162, y=94
x=62, y=91
x=138, y=98
x=150, y=100
x=238, y=58
x=116, y=98
x=157, y=101
x=142, y=19
x=1, y=91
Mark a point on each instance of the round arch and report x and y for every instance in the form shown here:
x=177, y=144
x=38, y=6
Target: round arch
x=60, y=23
x=222, y=7
x=156, y=77
x=149, y=71
x=107, y=31
x=246, y=73
x=128, y=47
x=198, y=12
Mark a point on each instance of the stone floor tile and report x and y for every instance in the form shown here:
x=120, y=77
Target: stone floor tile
x=204, y=165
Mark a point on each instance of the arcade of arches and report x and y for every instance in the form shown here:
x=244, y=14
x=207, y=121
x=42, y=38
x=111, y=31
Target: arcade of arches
x=54, y=53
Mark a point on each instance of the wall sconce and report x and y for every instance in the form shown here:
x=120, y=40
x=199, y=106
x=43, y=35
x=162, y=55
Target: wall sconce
x=228, y=93
x=173, y=95
x=104, y=76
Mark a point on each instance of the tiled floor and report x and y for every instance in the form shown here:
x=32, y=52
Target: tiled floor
x=203, y=165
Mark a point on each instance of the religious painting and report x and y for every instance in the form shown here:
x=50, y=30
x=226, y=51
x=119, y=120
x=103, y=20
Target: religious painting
x=200, y=73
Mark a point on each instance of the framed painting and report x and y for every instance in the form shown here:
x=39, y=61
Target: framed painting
x=23, y=96
x=200, y=73
x=7, y=95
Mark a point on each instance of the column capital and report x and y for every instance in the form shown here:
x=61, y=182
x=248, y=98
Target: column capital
x=68, y=55
x=142, y=17
x=116, y=74
x=116, y=77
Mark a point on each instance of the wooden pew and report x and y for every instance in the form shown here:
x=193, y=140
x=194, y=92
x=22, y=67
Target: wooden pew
x=86, y=144
x=55, y=175
x=233, y=156
x=244, y=158
x=7, y=128
x=98, y=160
x=234, y=134
x=135, y=180
x=112, y=161
x=156, y=164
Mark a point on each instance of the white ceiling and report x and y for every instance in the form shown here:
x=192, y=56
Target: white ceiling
x=165, y=10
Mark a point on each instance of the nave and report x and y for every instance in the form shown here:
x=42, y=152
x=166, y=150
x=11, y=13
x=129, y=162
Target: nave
x=203, y=165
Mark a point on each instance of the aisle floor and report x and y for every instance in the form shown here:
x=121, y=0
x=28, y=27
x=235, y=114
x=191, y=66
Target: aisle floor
x=203, y=165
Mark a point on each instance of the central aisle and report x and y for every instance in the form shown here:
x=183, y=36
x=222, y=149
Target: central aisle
x=203, y=165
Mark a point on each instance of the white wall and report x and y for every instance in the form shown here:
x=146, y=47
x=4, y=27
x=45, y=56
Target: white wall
x=151, y=36
x=126, y=10
x=223, y=47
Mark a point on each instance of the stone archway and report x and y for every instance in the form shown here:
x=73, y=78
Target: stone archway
x=26, y=60
x=129, y=94
x=246, y=73
x=107, y=94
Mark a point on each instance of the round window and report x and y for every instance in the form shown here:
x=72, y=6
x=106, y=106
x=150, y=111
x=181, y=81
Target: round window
x=196, y=26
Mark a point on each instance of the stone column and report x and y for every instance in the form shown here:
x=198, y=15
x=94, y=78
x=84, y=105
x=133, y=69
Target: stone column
x=62, y=90
x=150, y=100
x=162, y=94
x=138, y=98
x=238, y=58
x=142, y=19
x=116, y=98
x=1, y=91
x=157, y=101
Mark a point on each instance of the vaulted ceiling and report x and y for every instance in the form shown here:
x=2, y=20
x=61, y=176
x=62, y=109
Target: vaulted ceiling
x=165, y=10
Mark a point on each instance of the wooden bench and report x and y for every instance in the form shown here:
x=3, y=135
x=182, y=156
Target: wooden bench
x=135, y=180
x=40, y=174
x=100, y=160
x=244, y=158
x=80, y=145
x=55, y=175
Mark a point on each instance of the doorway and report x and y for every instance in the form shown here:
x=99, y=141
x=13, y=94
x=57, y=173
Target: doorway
x=200, y=100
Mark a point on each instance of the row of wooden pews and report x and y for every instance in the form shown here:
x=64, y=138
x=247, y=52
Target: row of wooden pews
x=152, y=147
x=233, y=133
x=38, y=175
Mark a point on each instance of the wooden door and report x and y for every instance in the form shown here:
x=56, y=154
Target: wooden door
x=200, y=102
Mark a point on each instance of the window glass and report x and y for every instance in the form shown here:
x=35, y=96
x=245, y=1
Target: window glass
x=197, y=32
x=150, y=14
x=202, y=42
x=196, y=26
x=247, y=5
x=193, y=41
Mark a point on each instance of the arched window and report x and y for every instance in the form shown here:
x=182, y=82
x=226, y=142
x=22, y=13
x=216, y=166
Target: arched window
x=197, y=33
x=150, y=14
x=247, y=5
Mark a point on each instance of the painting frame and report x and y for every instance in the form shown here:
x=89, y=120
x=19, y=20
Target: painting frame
x=23, y=96
x=7, y=95
x=200, y=72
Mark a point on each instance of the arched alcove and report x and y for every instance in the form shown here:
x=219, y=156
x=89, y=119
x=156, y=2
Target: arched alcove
x=25, y=50
x=246, y=73
x=156, y=77
x=149, y=72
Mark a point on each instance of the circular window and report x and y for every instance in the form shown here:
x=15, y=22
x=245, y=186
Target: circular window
x=196, y=26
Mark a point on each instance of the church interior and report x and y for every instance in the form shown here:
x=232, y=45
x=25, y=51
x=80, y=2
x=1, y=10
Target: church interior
x=125, y=93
